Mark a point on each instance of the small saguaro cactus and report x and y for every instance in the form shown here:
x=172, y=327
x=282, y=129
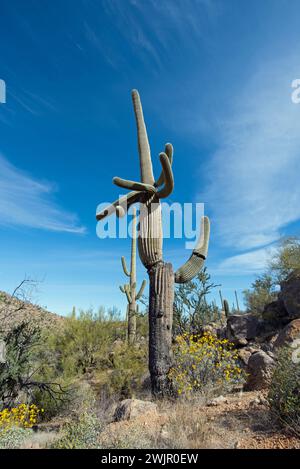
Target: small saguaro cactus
x=148, y=193
x=129, y=289
x=226, y=308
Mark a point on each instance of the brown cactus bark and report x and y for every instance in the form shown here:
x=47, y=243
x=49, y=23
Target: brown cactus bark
x=161, y=297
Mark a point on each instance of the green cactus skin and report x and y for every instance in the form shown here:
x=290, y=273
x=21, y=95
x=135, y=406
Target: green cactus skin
x=149, y=192
x=226, y=308
x=130, y=289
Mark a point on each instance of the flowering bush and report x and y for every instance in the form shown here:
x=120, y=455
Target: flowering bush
x=24, y=416
x=204, y=363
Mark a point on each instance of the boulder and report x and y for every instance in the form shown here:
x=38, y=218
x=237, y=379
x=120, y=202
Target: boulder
x=129, y=409
x=290, y=333
x=259, y=370
x=274, y=310
x=244, y=355
x=290, y=294
x=241, y=328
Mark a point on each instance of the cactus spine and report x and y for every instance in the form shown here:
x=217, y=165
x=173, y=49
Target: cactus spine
x=130, y=289
x=148, y=193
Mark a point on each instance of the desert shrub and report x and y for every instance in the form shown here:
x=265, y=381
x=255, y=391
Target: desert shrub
x=129, y=366
x=284, y=392
x=13, y=437
x=82, y=433
x=191, y=310
x=83, y=343
x=204, y=364
x=285, y=259
x=24, y=416
x=21, y=371
x=261, y=293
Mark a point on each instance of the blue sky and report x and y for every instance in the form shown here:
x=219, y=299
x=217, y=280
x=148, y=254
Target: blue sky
x=215, y=80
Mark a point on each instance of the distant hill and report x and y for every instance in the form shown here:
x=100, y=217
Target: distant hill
x=15, y=310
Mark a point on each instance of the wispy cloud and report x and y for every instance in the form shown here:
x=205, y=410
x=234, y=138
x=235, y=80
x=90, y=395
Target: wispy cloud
x=253, y=178
x=155, y=29
x=25, y=201
x=31, y=102
x=251, y=262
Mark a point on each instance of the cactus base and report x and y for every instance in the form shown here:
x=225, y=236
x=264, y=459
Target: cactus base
x=161, y=300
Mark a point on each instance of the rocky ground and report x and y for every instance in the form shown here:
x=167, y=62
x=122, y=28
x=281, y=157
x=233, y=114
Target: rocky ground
x=237, y=421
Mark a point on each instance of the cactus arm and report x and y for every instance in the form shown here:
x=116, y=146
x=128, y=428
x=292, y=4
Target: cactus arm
x=127, y=292
x=132, y=185
x=124, y=202
x=143, y=143
x=194, y=264
x=169, y=153
x=168, y=177
x=141, y=290
x=125, y=266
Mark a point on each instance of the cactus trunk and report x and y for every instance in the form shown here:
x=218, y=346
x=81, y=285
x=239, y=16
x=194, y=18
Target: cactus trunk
x=161, y=297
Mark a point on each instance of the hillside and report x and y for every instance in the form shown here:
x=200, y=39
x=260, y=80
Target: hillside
x=14, y=310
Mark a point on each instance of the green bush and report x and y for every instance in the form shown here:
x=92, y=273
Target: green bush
x=129, y=368
x=83, y=343
x=13, y=438
x=284, y=393
x=80, y=434
x=191, y=309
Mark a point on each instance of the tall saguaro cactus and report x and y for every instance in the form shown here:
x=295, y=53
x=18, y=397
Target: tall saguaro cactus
x=149, y=192
x=130, y=288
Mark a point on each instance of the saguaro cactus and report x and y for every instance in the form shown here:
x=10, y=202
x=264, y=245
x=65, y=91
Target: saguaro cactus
x=149, y=192
x=226, y=308
x=129, y=289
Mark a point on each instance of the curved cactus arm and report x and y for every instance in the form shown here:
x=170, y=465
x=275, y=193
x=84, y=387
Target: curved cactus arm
x=122, y=289
x=141, y=290
x=120, y=205
x=194, y=264
x=169, y=153
x=132, y=185
x=143, y=143
x=168, y=177
x=125, y=266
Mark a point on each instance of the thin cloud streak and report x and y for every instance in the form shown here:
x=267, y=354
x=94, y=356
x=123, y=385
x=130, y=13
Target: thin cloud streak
x=27, y=202
x=252, y=262
x=253, y=186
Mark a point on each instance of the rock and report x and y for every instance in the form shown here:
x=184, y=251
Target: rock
x=288, y=334
x=274, y=311
x=241, y=328
x=117, y=345
x=259, y=370
x=217, y=401
x=258, y=401
x=290, y=294
x=209, y=329
x=244, y=354
x=131, y=408
x=221, y=332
